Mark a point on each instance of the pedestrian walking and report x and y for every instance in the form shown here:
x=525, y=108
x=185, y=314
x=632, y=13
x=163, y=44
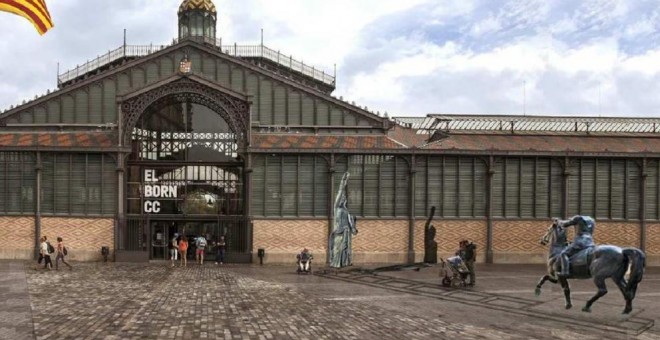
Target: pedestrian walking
x=200, y=248
x=220, y=251
x=44, y=253
x=174, y=249
x=61, y=252
x=183, y=249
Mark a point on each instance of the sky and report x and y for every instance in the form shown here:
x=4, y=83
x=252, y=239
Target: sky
x=406, y=58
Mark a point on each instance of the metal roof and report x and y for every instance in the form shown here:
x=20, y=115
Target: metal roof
x=449, y=122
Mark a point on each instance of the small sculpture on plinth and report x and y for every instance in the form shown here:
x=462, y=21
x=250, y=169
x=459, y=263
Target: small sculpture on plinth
x=341, y=237
x=430, y=246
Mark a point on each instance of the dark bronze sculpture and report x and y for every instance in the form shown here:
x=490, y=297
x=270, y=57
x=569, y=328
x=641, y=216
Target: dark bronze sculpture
x=598, y=262
x=430, y=246
x=341, y=238
x=584, y=229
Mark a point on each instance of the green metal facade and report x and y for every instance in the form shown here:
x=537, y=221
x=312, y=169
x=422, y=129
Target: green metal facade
x=274, y=103
x=72, y=184
x=523, y=187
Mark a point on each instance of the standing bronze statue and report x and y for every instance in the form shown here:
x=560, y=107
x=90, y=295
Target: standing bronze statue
x=430, y=246
x=341, y=238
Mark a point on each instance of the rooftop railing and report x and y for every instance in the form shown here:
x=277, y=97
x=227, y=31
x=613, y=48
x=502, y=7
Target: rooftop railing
x=513, y=123
x=249, y=51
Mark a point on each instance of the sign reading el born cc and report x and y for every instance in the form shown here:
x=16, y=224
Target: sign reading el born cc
x=153, y=191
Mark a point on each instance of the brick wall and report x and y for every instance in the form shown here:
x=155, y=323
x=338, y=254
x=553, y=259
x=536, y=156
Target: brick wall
x=16, y=238
x=381, y=241
x=377, y=241
x=618, y=234
x=283, y=239
x=449, y=233
x=83, y=237
x=518, y=241
x=653, y=244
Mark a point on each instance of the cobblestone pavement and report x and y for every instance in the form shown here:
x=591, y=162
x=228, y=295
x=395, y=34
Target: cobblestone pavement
x=137, y=301
x=15, y=314
x=152, y=301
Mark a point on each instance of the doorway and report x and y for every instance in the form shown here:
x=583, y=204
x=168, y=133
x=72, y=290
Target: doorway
x=233, y=229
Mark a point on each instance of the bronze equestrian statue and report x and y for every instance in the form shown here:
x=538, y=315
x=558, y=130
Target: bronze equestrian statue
x=598, y=262
x=584, y=229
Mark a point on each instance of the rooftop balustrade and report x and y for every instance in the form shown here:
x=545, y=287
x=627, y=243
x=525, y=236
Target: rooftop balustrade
x=241, y=51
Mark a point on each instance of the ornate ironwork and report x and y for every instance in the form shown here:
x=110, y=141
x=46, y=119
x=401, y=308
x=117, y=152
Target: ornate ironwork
x=234, y=111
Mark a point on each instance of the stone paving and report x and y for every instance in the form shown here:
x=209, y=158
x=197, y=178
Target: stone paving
x=15, y=313
x=153, y=301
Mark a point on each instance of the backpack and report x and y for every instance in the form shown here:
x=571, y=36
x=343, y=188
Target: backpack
x=50, y=248
x=201, y=243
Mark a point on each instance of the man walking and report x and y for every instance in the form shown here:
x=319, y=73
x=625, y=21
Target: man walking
x=200, y=245
x=220, y=251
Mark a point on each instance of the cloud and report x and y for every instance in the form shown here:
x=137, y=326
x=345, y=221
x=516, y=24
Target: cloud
x=405, y=57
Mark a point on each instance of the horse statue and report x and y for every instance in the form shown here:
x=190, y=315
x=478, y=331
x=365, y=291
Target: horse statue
x=599, y=262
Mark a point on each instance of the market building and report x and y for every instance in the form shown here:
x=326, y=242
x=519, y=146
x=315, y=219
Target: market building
x=197, y=137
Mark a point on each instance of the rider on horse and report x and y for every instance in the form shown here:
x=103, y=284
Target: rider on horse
x=584, y=229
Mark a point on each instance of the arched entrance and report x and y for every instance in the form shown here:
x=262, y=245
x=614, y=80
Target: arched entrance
x=185, y=172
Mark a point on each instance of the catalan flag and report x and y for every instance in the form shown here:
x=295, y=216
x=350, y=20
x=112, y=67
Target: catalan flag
x=33, y=10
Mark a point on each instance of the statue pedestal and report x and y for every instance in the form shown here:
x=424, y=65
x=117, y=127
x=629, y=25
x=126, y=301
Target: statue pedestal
x=332, y=270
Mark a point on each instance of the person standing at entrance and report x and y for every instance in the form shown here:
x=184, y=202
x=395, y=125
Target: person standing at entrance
x=200, y=245
x=61, y=253
x=183, y=249
x=174, y=249
x=220, y=254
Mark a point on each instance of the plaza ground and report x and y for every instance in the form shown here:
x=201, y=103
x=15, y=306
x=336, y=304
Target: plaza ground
x=153, y=301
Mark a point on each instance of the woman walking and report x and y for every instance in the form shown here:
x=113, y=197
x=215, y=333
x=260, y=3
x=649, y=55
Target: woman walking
x=183, y=249
x=61, y=253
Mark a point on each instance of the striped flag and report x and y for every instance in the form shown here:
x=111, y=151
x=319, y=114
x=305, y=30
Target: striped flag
x=33, y=10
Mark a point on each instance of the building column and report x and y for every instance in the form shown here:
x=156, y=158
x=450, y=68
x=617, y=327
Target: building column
x=642, y=207
x=489, y=209
x=247, y=205
x=411, y=207
x=564, y=199
x=331, y=205
x=37, y=212
x=120, y=225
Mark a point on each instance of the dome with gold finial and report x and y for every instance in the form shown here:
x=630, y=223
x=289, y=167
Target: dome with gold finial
x=197, y=20
x=204, y=5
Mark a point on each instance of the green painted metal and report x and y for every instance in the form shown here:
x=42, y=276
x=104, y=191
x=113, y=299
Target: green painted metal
x=274, y=102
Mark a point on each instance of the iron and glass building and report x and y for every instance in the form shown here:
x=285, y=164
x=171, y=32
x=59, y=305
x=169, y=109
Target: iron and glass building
x=197, y=137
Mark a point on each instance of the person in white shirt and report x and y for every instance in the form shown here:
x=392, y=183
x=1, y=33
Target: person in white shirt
x=44, y=254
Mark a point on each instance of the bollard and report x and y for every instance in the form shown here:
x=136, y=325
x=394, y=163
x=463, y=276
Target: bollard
x=105, y=251
x=261, y=252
